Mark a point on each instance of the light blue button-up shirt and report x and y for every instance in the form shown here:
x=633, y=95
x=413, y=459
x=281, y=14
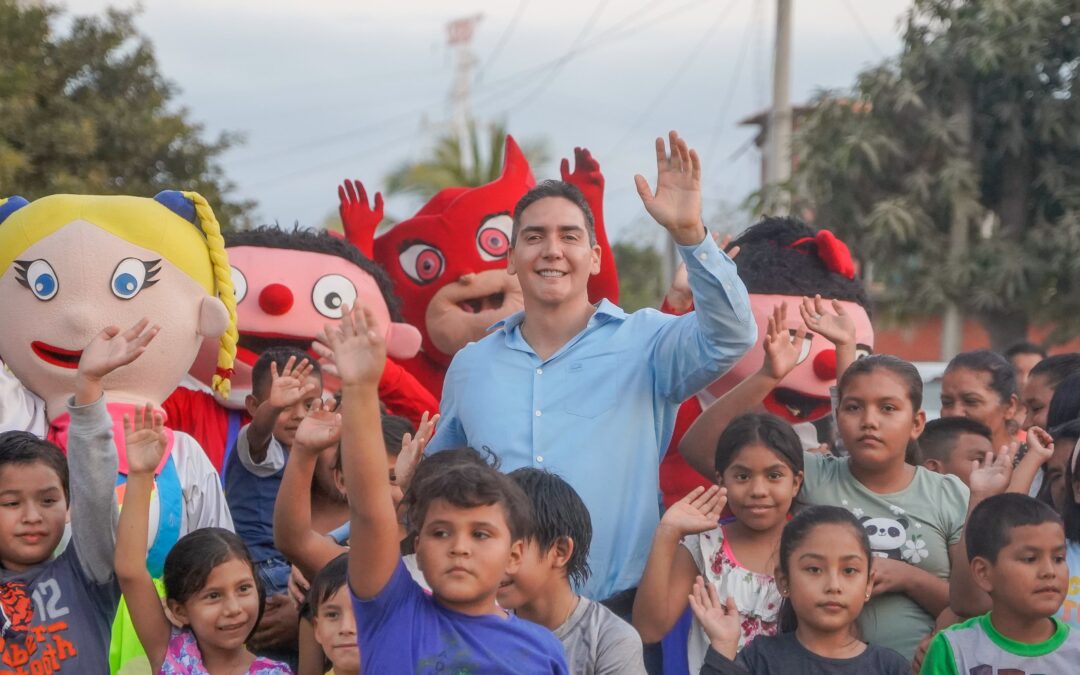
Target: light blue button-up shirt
x=600, y=411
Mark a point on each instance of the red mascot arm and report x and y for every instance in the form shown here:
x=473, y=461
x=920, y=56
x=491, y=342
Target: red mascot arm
x=587, y=178
x=357, y=218
x=404, y=395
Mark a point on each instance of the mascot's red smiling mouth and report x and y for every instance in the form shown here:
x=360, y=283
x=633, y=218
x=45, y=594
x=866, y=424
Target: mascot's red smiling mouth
x=251, y=345
x=65, y=358
x=796, y=406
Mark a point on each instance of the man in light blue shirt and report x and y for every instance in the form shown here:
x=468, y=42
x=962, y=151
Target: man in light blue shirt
x=590, y=392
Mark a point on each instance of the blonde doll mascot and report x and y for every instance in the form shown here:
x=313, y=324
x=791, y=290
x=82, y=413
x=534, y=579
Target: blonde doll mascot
x=71, y=265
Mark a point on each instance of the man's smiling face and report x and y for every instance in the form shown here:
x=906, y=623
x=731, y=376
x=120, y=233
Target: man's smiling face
x=551, y=254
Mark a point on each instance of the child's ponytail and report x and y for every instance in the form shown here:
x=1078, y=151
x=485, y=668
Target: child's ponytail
x=215, y=244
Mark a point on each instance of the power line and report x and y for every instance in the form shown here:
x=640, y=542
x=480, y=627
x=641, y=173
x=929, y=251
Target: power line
x=733, y=83
x=334, y=162
x=672, y=81
x=497, y=87
x=862, y=28
x=574, y=45
x=503, y=39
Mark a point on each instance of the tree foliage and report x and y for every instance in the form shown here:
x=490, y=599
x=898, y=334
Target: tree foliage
x=641, y=276
x=954, y=169
x=443, y=168
x=88, y=111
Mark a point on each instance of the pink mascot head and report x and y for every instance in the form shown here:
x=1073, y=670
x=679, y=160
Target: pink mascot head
x=781, y=260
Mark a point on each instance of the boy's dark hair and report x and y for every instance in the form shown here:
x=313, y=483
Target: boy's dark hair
x=260, y=372
x=760, y=429
x=1065, y=404
x=989, y=524
x=795, y=533
x=778, y=256
x=897, y=366
x=557, y=512
x=1002, y=375
x=317, y=241
x=23, y=447
x=1024, y=347
x=394, y=428
x=938, y=438
x=328, y=581
x=554, y=188
x=1056, y=368
x=466, y=479
x=190, y=562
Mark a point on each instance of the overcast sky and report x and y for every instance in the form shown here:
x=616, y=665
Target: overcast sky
x=324, y=89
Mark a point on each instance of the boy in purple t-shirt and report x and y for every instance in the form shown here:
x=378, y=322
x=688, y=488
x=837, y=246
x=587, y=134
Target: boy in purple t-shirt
x=469, y=521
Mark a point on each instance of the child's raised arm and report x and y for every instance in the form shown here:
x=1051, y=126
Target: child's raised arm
x=286, y=388
x=360, y=354
x=91, y=451
x=293, y=534
x=698, y=445
x=670, y=571
x=145, y=440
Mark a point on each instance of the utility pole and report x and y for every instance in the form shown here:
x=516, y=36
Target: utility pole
x=459, y=34
x=778, y=147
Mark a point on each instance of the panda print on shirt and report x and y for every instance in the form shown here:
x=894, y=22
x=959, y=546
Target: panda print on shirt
x=887, y=536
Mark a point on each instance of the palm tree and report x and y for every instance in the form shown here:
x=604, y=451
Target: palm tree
x=443, y=168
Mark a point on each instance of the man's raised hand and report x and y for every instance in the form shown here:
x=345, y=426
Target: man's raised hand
x=677, y=202
x=144, y=440
x=359, y=351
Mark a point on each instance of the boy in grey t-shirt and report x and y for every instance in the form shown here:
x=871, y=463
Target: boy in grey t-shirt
x=56, y=613
x=597, y=642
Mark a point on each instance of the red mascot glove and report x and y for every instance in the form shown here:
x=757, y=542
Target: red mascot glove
x=359, y=219
x=587, y=178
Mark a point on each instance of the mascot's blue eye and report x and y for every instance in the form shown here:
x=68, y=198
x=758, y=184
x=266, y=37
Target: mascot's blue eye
x=40, y=278
x=131, y=276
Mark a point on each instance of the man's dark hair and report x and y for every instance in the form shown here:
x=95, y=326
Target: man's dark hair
x=989, y=524
x=554, y=188
x=260, y=372
x=1056, y=368
x=939, y=437
x=321, y=241
x=557, y=512
x=466, y=479
x=23, y=447
x=778, y=256
x=1024, y=347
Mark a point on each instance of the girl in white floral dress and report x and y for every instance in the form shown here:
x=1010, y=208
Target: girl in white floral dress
x=759, y=470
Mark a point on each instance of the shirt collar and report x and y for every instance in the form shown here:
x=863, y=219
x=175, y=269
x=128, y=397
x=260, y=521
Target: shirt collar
x=605, y=308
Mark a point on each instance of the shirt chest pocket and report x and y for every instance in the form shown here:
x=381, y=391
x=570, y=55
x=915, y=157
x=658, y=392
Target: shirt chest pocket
x=591, y=386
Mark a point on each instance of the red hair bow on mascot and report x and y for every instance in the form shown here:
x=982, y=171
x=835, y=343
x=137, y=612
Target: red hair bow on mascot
x=782, y=260
x=448, y=262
